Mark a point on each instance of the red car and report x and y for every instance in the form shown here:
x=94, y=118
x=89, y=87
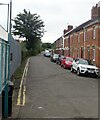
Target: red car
x=67, y=62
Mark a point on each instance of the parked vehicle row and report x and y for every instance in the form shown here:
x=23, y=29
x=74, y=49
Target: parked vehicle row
x=78, y=65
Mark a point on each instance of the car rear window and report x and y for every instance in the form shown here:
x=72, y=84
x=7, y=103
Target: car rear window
x=69, y=59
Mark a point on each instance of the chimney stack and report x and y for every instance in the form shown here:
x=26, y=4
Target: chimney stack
x=95, y=12
x=68, y=29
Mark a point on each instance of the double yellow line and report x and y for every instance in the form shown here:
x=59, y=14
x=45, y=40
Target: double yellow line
x=21, y=100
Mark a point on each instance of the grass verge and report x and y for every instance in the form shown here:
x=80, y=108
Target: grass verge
x=16, y=79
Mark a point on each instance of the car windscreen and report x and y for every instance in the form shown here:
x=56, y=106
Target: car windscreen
x=85, y=62
x=61, y=57
x=69, y=59
x=56, y=55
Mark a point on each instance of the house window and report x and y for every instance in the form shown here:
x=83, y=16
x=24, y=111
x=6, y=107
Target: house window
x=85, y=34
x=78, y=37
x=94, y=33
x=73, y=38
x=82, y=52
x=78, y=52
x=73, y=52
x=88, y=53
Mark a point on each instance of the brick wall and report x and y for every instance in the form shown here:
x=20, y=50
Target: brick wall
x=84, y=41
x=95, y=12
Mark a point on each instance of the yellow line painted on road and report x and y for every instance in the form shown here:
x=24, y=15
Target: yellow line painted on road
x=19, y=96
x=24, y=96
x=20, y=90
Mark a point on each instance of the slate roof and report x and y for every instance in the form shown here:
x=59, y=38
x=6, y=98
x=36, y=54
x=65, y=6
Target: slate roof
x=80, y=27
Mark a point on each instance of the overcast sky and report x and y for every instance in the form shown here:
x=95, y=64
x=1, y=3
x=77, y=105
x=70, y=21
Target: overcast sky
x=56, y=14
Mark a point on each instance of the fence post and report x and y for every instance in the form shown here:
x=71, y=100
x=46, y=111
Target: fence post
x=6, y=85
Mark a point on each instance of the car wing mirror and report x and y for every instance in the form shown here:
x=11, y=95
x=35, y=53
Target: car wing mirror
x=77, y=62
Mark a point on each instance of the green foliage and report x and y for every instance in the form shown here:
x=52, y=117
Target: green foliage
x=46, y=46
x=29, y=26
x=53, y=46
x=24, y=51
x=31, y=52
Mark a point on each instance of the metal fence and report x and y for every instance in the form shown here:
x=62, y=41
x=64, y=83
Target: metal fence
x=15, y=55
x=10, y=59
x=4, y=63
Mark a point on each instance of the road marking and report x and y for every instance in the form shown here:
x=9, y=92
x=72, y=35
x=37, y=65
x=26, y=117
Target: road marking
x=21, y=84
x=24, y=96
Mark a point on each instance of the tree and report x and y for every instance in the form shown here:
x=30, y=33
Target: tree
x=29, y=26
x=46, y=46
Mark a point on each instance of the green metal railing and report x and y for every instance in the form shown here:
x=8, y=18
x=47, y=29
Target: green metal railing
x=4, y=71
x=4, y=64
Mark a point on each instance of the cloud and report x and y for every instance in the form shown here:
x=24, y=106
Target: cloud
x=56, y=14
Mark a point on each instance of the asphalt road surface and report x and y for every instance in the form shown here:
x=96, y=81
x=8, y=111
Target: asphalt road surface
x=54, y=92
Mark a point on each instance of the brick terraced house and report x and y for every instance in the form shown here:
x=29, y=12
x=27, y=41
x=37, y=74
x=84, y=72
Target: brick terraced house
x=84, y=40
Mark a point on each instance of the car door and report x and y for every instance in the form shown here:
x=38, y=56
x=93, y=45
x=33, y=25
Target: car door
x=76, y=62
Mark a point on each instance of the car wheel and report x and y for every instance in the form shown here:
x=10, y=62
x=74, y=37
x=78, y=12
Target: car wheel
x=64, y=66
x=72, y=70
x=78, y=72
x=95, y=76
x=61, y=64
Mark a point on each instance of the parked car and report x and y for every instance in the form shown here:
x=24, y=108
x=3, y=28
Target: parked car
x=58, y=61
x=54, y=57
x=83, y=66
x=47, y=53
x=67, y=62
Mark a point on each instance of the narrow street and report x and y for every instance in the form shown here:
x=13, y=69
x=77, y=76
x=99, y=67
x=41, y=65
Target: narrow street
x=54, y=92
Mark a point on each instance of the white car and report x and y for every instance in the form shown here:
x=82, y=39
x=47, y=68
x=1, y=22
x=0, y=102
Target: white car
x=83, y=66
x=47, y=53
x=54, y=57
